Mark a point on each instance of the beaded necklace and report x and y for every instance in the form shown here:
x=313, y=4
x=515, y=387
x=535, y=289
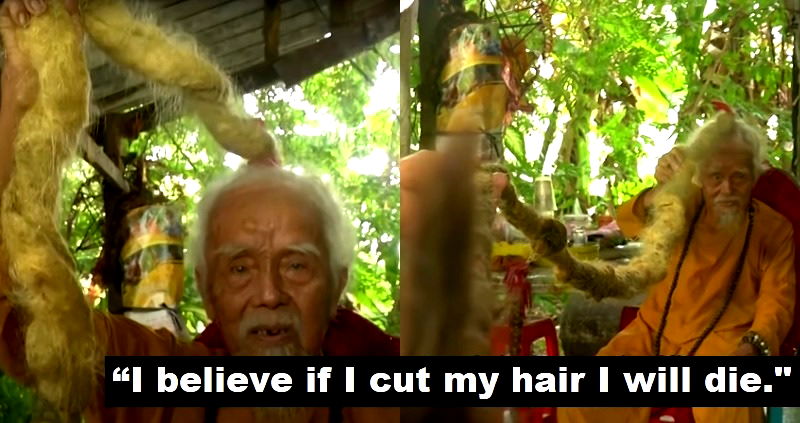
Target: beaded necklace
x=728, y=295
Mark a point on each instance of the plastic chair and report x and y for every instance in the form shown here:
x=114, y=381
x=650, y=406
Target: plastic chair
x=542, y=329
x=500, y=337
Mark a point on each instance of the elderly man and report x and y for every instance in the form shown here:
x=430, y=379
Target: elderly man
x=730, y=287
x=273, y=255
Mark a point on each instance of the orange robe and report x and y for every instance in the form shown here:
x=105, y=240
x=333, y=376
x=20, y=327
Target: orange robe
x=763, y=302
x=124, y=337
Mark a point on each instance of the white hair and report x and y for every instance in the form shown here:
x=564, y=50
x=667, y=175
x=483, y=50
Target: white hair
x=337, y=230
x=723, y=129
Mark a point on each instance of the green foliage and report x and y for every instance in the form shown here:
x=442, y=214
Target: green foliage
x=335, y=125
x=15, y=401
x=635, y=76
x=356, y=150
x=615, y=84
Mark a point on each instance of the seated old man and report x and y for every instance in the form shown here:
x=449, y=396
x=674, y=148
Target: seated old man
x=730, y=285
x=273, y=255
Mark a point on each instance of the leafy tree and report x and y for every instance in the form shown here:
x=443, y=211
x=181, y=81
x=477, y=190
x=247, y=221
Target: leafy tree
x=615, y=84
x=339, y=124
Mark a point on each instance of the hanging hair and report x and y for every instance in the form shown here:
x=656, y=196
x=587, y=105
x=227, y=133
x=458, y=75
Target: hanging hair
x=62, y=357
x=60, y=350
x=671, y=207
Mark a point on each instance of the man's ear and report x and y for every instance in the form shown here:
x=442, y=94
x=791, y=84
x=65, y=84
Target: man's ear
x=205, y=294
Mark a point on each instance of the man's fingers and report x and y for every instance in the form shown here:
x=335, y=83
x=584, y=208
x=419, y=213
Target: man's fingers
x=674, y=162
x=8, y=34
x=35, y=7
x=72, y=7
x=16, y=10
x=499, y=184
x=673, y=166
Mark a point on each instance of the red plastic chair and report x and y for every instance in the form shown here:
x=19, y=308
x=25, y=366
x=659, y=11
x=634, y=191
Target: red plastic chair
x=516, y=274
x=542, y=329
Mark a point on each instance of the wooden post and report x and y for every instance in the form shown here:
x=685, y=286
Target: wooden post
x=272, y=26
x=428, y=94
x=118, y=201
x=793, y=9
x=341, y=13
x=406, y=31
x=109, y=267
x=432, y=48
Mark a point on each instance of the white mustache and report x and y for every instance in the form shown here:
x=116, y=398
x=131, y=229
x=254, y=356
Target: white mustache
x=269, y=319
x=727, y=199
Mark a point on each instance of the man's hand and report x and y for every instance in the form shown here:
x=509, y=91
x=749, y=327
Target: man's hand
x=669, y=164
x=746, y=349
x=21, y=11
x=20, y=81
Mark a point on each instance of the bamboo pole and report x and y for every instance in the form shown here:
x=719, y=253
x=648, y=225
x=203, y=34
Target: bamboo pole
x=407, y=19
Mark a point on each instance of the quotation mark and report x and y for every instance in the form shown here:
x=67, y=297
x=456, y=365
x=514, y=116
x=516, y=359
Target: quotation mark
x=783, y=371
x=124, y=375
x=121, y=376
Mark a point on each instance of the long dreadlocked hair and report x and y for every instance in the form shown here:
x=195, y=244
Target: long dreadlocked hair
x=62, y=356
x=667, y=223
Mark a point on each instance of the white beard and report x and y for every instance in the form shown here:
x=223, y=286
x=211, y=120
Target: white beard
x=730, y=221
x=293, y=348
x=280, y=414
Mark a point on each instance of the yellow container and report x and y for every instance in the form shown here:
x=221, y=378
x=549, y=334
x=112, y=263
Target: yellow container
x=589, y=251
x=505, y=249
x=152, y=257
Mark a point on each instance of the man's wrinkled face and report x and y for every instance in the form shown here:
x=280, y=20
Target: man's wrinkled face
x=269, y=277
x=727, y=180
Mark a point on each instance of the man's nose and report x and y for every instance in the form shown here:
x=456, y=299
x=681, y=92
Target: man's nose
x=271, y=293
x=725, y=187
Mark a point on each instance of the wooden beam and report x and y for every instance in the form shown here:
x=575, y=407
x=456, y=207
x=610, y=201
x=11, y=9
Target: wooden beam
x=272, y=30
x=94, y=154
x=299, y=64
x=255, y=77
x=128, y=126
x=342, y=14
x=343, y=43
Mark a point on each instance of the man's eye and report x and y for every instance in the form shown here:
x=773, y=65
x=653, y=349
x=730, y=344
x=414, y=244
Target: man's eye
x=297, y=266
x=239, y=269
x=297, y=270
